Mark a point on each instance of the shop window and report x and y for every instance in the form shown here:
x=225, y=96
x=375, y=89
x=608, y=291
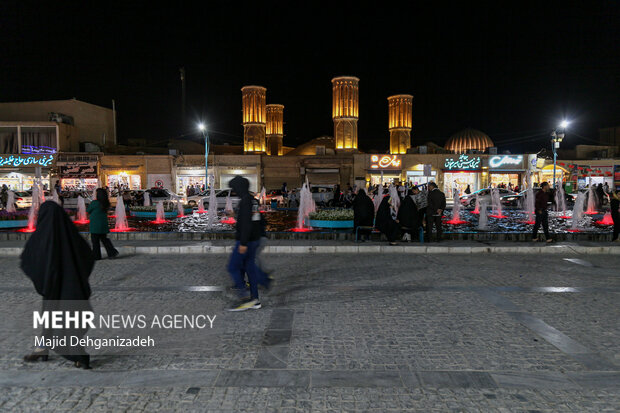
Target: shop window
x=499, y=179
x=460, y=181
x=418, y=177
x=8, y=140
x=127, y=181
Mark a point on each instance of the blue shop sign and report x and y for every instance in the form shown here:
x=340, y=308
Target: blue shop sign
x=464, y=162
x=31, y=160
x=506, y=161
x=37, y=150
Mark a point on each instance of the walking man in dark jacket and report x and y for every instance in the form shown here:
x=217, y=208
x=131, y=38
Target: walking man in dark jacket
x=542, y=217
x=243, y=257
x=434, y=211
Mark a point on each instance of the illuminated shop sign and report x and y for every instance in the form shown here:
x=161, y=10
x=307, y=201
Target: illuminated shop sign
x=78, y=169
x=32, y=160
x=34, y=150
x=464, y=162
x=384, y=161
x=504, y=160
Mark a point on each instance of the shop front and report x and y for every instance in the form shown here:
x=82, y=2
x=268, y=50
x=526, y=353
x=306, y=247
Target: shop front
x=190, y=176
x=78, y=176
x=461, y=172
x=589, y=175
x=189, y=170
x=224, y=174
x=545, y=174
x=507, y=170
x=18, y=172
x=123, y=171
x=421, y=174
x=385, y=169
x=124, y=179
x=576, y=175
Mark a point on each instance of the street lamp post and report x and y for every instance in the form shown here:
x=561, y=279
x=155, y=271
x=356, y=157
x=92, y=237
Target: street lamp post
x=556, y=137
x=205, y=134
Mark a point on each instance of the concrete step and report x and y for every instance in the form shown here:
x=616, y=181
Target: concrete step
x=327, y=236
x=14, y=249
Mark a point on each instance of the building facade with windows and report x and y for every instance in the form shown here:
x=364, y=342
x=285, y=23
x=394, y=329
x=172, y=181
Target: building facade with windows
x=34, y=134
x=92, y=124
x=28, y=150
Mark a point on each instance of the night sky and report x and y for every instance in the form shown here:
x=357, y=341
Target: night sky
x=512, y=71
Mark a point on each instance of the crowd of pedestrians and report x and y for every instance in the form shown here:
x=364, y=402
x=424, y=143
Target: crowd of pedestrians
x=410, y=211
x=400, y=212
x=58, y=260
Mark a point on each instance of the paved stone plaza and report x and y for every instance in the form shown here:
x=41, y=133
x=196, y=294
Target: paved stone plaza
x=345, y=332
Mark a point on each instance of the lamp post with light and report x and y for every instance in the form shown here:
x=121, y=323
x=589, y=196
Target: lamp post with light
x=556, y=137
x=205, y=134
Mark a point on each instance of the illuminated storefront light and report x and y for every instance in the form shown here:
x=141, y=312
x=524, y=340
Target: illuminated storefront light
x=37, y=150
x=384, y=161
x=18, y=160
x=463, y=162
x=506, y=170
x=499, y=161
x=78, y=175
x=384, y=169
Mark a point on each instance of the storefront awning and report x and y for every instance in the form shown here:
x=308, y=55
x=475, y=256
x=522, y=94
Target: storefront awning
x=550, y=168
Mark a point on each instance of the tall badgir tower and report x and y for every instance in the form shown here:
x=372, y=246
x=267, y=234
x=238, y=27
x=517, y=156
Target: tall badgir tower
x=275, y=129
x=345, y=111
x=254, y=118
x=399, y=123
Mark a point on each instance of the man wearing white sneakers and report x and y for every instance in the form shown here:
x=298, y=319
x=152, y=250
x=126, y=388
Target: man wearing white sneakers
x=243, y=257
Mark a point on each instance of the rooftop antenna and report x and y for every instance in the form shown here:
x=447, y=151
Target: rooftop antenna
x=114, y=121
x=182, y=73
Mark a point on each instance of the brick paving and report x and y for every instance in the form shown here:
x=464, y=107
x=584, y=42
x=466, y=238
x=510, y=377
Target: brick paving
x=342, y=332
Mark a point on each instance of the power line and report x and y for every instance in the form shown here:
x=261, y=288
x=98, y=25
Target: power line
x=583, y=137
x=521, y=138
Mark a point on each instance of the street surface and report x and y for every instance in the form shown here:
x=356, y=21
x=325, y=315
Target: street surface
x=365, y=332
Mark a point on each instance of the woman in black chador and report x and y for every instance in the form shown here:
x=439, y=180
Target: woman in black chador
x=386, y=220
x=408, y=217
x=363, y=213
x=59, y=261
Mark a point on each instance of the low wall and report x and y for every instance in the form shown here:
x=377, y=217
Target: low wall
x=328, y=235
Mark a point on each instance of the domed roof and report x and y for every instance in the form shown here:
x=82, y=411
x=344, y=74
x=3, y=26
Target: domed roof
x=468, y=139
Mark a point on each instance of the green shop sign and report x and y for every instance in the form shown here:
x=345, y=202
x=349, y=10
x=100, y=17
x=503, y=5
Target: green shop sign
x=30, y=160
x=463, y=162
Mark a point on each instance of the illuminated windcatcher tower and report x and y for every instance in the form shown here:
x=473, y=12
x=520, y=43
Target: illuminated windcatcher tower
x=400, y=108
x=345, y=111
x=275, y=129
x=254, y=117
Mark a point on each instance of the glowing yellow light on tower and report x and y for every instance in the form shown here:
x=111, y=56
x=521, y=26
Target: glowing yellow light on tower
x=400, y=109
x=254, y=118
x=275, y=129
x=345, y=111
